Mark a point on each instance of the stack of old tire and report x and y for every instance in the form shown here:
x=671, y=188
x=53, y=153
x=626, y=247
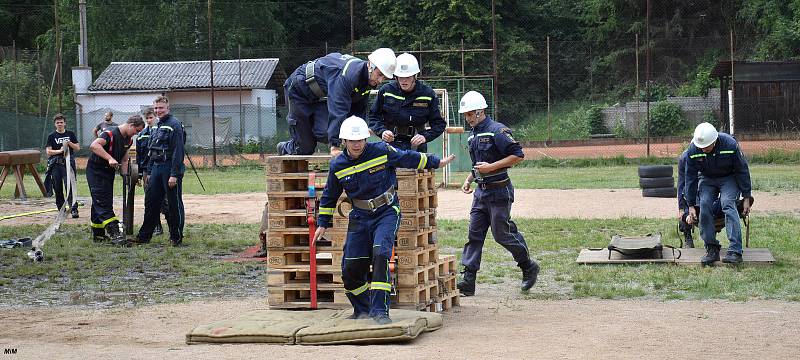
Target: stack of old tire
x=657, y=181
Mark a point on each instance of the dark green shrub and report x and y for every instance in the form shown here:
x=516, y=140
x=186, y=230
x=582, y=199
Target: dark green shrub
x=667, y=119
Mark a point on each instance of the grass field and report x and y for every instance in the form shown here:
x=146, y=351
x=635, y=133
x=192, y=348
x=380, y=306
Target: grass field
x=78, y=272
x=228, y=180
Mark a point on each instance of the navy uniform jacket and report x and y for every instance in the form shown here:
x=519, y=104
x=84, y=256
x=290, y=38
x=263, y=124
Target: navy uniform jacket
x=369, y=176
x=345, y=80
x=142, y=147
x=490, y=141
x=167, y=138
x=395, y=108
x=726, y=160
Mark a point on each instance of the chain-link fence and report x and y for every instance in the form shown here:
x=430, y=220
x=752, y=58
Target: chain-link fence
x=574, y=79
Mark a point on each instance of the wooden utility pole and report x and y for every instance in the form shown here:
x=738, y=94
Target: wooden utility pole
x=213, y=114
x=58, y=56
x=549, y=117
x=494, y=63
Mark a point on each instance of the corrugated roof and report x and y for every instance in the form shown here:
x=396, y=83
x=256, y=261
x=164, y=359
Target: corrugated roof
x=173, y=75
x=758, y=70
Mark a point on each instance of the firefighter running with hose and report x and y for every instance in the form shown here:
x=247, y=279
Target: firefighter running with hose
x=109, y=150
x=366, y=172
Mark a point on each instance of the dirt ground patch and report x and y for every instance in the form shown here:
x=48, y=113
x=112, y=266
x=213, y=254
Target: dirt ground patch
x=529, y=203
x=498, y=323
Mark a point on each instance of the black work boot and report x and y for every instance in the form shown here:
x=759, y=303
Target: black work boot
x=688, y=243
x=382, y=319
x=117, y=237
x=99, y=236
x=732, y=258
x=711, y=256
x=529, y=276
x=74, y=213
x=158, y=230
x=281, y=148
x=467, y=284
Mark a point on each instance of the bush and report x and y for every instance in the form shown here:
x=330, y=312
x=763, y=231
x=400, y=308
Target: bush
x=595, y=116
x=667, y=119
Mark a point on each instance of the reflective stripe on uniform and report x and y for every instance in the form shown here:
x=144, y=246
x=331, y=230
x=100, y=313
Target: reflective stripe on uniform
x=727, y=151
x=326, y=211
x=375, y=285
x=394, y=96
x=166, y=126
x=481, y=134
x=697, y=156
x=344, y=71
x=423, y=160
x=358, y=290
x=424, y=98
x=103, y=225
x=365, y=92
x=361, y=167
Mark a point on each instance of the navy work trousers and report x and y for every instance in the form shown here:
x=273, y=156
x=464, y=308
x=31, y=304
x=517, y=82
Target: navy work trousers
x=157, y=189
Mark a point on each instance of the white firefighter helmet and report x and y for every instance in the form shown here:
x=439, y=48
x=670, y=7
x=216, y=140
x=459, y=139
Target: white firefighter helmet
x=472, y=100
x=354, y=128
x=704, y=135
x=407, y=65
x=384, y=60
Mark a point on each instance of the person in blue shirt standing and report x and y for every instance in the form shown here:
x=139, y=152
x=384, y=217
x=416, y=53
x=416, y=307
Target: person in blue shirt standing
x=320, y=94
x=720, y=168
x=493, y=151
x=403, y=108
x=142, y=150
x=366, y=173
x=165, y=175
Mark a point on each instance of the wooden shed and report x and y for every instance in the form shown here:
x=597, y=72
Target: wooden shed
x=766, y=96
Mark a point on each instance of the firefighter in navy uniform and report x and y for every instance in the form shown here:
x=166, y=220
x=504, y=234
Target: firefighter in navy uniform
x=142, y=149
x=109, y=150
x=403, y=108
x=165, y=175
x=366, y=172
x=718, y=167
x=493, y=151
x=320, y=94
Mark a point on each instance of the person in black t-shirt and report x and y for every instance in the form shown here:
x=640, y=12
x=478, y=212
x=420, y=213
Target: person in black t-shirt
x=109, y=150
x=105, y=124
x=56, y=162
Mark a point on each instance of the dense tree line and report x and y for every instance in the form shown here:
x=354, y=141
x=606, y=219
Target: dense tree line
x=592, y=41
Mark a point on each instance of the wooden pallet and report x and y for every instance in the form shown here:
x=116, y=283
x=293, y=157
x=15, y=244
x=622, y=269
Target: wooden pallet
x=417, y=297
x=297, y=238
x=447, y=302
x=411, y=240
x=294, y=182
x=409, y=261
x=291, y=278
x=420, y=201
x=415, y=182
x=418, y=276
x=300, y=259
x=447, y=265
x=300, y=298
x=284, y=164
x=418, y=221
x=447, y=284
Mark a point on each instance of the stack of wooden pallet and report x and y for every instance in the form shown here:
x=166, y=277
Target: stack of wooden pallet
x=288, y=256
x=425, y=280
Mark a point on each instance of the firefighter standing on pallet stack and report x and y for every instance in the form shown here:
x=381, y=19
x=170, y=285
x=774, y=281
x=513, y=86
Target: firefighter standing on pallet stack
x=109, y=151
x=718, y=167
x=165, y=175
x=403, y=108
x=366, y=172
x=322, y=93
x=493, y=151
x=142, y=150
